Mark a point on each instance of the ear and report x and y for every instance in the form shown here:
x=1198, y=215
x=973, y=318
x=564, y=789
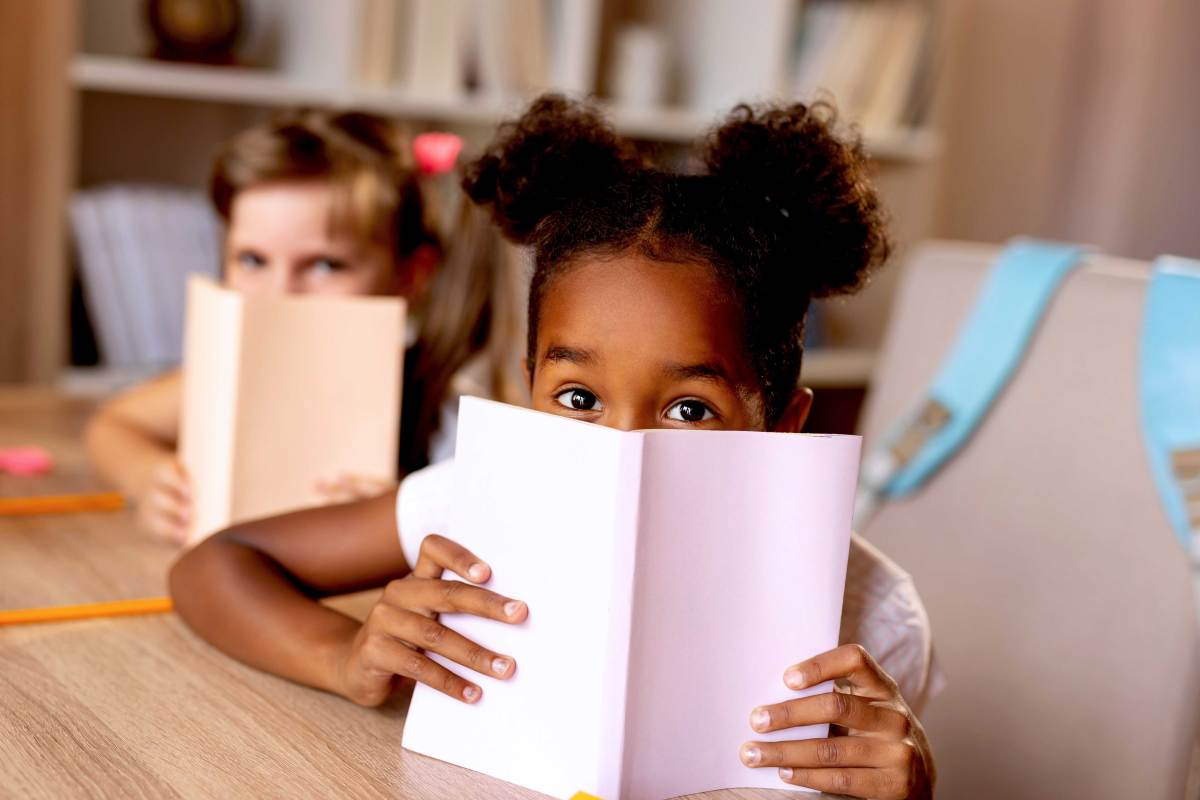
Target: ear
x=413, y=274
x=794, y=416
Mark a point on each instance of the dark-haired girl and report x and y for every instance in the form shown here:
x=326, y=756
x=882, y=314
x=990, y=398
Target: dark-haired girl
x=658, y=300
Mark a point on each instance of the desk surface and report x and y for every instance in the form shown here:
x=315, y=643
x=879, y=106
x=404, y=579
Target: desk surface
x=140, y=707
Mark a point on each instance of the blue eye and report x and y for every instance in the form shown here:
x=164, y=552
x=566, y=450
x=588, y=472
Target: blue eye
x=578, y=400
x=691, y=411
x=328, y=266
x=248, y=259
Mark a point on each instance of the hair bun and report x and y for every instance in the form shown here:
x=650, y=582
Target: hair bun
x=556, y=153
x=802, y=191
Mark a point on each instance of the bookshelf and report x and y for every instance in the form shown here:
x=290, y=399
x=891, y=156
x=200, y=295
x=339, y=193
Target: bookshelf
x=269, y=89
x=151, y=121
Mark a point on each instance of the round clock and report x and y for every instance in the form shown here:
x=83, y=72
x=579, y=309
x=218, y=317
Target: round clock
x=194, y=30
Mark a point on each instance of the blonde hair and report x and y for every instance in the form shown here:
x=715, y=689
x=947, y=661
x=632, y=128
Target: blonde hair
x=367, y=158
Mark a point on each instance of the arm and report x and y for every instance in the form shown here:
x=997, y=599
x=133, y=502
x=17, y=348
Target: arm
x=133, y=433
x=252, y=592
x=131, y=441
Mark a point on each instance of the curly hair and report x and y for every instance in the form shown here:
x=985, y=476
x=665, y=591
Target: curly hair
x=782, y=210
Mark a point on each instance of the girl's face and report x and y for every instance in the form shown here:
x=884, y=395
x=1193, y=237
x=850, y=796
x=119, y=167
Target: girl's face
x=280, y=242
x=634, y=343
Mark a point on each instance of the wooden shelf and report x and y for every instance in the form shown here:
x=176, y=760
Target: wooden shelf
x=837, y=367
x=137, y=76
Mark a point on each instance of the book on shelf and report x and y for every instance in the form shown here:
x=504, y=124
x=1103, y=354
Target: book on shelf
x=503, y=48
x=871, y=56
x=656, y=565
x=136, y=244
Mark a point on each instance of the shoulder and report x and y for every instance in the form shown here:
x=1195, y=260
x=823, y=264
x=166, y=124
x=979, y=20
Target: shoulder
x=883, y=612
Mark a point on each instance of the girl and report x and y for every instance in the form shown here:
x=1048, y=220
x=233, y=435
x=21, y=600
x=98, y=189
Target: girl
x=658, y=300
x=328, y=204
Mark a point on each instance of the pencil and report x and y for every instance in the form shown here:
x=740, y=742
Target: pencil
x=116, y=608
x=60, y=504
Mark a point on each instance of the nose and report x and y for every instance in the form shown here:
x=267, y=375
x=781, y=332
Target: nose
x=630, y=418
x=283, y=280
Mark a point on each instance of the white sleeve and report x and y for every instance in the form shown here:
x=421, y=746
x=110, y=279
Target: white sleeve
x=883, y=612
x=423, y=506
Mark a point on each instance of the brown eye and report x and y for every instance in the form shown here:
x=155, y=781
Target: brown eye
x=691, y=411
x=578, y=400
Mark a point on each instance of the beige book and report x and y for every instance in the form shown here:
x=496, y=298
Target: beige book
x=279, y=392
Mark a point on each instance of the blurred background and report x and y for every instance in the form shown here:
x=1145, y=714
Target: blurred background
x=986, y=118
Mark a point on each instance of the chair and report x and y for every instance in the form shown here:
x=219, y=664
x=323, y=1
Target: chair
x=1061, y=604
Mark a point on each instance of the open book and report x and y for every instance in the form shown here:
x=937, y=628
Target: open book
x=279, y=392
x=671, y=577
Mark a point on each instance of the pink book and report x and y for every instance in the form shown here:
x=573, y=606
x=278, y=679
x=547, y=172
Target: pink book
x=279, y=392
x=671, y=577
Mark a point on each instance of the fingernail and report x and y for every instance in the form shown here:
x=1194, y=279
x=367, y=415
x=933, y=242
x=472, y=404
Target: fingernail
x=793, y=679
x=477, y=572
x=760, y=719
x=751, y=755
x=513, y=607
x=785, y=773
x=471, y=694
x=500, y=665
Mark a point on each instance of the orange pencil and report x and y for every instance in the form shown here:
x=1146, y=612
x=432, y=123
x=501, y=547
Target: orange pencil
x=60, y=504
x=116, y=608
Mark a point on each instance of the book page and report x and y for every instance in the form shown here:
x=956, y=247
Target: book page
x=210, y=369
x=740, y=571
x=316, y=391
x=550, y=503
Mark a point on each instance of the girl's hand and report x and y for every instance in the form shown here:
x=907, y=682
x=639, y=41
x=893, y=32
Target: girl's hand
x=165, y=506
x=345, y=487
x=403, y=625
x=883, y=752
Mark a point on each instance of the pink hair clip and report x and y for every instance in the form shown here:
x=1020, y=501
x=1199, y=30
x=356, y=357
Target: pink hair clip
x=25, y=461
x=436, y=152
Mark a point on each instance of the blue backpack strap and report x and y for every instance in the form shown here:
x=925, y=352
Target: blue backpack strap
x=988, y=351
x=1170, y=392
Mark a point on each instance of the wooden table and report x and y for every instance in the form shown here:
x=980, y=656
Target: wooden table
x=140, y=707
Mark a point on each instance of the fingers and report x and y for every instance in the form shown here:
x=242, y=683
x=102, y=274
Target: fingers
x=837, y=708
x=851, y=663
x=438, y=597
x=878, y=784
x=430, y=635
x=344, y=487
x=166, y=507
x=439, y=553
x=386, y=655
x=840, y=751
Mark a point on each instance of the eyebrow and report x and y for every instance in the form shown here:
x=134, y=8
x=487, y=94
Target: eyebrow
x=572, y=355
x=708, y=371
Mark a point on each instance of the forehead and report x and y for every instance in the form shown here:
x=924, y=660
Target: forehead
x=285, y=209
x=640, y=307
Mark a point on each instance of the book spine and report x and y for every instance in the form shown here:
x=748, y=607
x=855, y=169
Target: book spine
x=212, y=365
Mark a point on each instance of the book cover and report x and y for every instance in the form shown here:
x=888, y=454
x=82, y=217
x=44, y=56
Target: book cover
x=279, y=392
x=671, y=577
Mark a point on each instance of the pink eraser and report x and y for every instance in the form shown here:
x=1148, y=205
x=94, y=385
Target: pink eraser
x=25, y=461
x=436, y=153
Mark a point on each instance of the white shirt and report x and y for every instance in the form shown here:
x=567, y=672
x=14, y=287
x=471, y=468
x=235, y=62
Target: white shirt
x=881, y=609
